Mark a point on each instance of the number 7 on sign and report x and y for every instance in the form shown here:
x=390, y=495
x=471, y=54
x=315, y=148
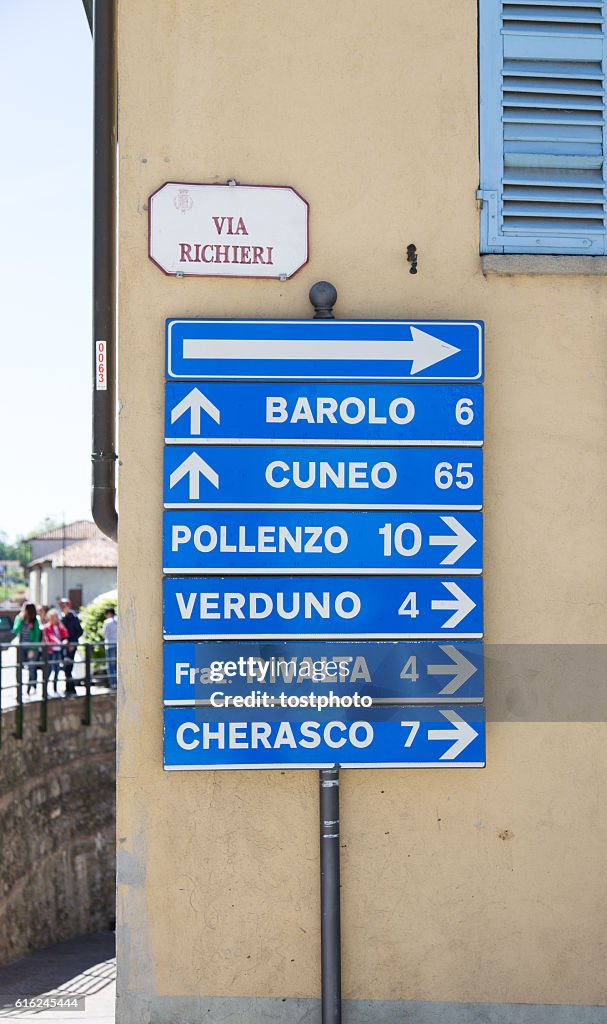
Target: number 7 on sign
x=413, y=726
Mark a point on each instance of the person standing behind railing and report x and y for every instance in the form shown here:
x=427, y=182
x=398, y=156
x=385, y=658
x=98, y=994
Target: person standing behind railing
x=26, y=628
x=55, y=635
x=110, y=639
x=72, y=624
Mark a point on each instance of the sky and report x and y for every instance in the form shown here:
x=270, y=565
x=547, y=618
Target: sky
x=46, y=83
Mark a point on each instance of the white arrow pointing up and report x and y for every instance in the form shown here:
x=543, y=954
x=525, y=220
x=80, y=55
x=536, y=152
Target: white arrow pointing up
x=422, y=349
x=194, y=467
x=463, y=734
x=462, y=605
x=461, y=539
x=460, y=665
x=194, y=402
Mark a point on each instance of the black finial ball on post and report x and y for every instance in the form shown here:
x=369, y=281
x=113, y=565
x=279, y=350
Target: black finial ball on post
x=323, y=297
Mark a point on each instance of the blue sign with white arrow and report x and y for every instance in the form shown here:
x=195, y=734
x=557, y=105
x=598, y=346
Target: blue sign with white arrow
x=275, y=608
x=233, y=477
x=391, y=350
x=296, y=737
x=255, y=412
x=237, y=673
x=265, y=542
x=323, y=515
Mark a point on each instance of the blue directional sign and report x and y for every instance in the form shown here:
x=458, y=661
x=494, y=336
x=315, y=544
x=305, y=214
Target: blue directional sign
x=358, y=672
x=291, y=477
x=295, y=737
x=322, y=544
x=392, y=350
x=330, y=413
x=265, y=542
x=275, y=608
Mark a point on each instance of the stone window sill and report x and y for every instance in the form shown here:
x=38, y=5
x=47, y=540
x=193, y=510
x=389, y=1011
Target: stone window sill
x=510, y=265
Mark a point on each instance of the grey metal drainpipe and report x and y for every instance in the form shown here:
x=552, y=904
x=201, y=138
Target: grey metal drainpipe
x=88, y=10
x=101, y=16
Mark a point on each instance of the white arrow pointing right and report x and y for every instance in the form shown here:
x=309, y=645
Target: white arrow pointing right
x=426, y=350
x=194, y=467
x=421, y=348
x=194, y=402
x=462, y=605
x=460, y=668
x=461, y=539
x=463, y=734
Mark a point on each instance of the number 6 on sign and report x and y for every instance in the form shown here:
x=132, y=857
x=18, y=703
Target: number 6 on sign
x=464, y=411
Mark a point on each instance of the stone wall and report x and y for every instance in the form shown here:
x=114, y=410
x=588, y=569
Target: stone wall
x=57, y=825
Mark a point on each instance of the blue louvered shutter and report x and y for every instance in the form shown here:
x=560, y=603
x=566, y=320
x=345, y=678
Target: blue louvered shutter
x=542, y=126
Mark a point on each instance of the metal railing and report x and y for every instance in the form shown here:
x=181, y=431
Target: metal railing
x=25, y=678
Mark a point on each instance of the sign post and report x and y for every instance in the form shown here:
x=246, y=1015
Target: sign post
x=322, y=554
x=323, y=297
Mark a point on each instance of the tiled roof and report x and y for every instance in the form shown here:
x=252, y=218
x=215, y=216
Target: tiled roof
x=82, y=529
x=99, y=553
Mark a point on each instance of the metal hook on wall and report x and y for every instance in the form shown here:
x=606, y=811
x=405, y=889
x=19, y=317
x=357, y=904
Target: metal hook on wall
x=412, y=257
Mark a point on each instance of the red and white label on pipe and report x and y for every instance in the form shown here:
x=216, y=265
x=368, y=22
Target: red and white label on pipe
x=101, y=366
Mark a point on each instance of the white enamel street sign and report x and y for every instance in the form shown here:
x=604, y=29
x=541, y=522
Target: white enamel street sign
x=228, y=230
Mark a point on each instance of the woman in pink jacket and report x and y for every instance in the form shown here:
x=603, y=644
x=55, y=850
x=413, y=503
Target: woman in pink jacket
x=55, y=635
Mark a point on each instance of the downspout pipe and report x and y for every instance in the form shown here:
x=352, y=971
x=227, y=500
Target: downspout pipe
x=88, y=10
x=104, y=268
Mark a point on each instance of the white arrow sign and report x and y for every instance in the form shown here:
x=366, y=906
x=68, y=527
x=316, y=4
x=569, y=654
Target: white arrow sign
x=422, y=349
x=462, y=734
x=461, y=606
x=461, y=666
x=426, y=350
x=461, y=539
x=194, y=467
x=193, y=403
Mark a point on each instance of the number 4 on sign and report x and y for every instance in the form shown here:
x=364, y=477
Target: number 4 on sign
x=409, y=605
x=410, y=670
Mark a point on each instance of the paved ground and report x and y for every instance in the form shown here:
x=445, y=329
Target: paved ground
x=85, y=966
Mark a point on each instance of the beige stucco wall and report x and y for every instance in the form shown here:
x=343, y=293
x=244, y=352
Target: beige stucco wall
x=473, y=885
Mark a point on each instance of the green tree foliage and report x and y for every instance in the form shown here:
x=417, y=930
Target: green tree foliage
x=20, y=551
x=92, y=617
